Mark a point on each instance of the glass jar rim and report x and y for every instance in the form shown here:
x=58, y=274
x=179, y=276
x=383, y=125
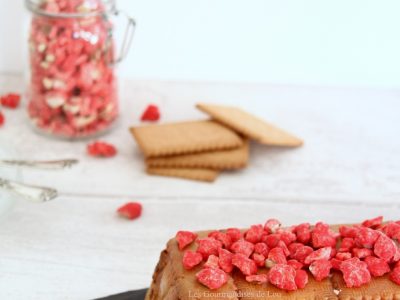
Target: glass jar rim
x=34, y=7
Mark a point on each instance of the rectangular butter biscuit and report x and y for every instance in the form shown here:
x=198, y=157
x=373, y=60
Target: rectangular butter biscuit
x=207, y=175
x=219, y=160
x=185, y=137
x=250, y=125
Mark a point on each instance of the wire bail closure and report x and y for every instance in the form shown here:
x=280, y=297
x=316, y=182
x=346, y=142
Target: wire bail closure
x=128, y=36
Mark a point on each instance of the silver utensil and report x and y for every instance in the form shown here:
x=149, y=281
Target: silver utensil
x=47, y=165
x=29, y=192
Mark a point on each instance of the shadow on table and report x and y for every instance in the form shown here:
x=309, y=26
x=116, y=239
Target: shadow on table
x=132, y=295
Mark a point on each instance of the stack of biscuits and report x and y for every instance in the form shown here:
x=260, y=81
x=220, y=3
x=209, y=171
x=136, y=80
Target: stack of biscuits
x=201, y=150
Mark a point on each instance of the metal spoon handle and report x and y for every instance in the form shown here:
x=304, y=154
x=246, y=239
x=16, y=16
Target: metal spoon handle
x=29, y=192
x=47, y=165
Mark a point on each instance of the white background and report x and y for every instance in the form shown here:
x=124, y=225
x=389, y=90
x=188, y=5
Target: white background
x=341, y=42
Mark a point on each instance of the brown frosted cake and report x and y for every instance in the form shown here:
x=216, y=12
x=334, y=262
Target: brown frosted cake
x=270, y=262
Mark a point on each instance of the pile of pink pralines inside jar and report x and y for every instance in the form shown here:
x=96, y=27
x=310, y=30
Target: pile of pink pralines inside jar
x=72, y=89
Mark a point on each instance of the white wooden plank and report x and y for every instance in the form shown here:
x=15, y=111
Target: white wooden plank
x=351, y=150
x=77, y=248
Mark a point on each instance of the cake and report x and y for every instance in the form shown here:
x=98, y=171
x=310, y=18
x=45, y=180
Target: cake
x=356, y=269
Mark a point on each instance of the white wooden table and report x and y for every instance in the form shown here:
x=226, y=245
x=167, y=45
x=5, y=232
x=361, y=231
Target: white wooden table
x=77, y=248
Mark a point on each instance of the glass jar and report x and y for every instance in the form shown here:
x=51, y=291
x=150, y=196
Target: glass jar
x=72, y=91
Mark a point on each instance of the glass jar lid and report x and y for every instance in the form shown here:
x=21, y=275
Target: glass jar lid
x=70, y=8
